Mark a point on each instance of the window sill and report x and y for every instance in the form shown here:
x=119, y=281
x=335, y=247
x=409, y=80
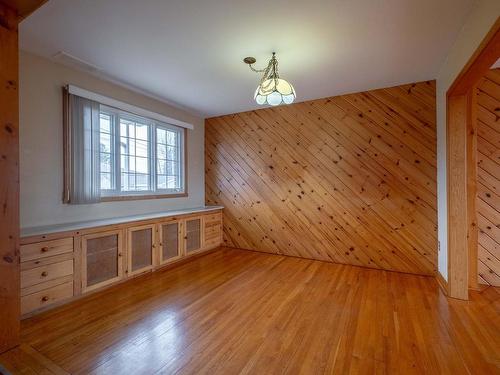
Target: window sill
x=142, y=197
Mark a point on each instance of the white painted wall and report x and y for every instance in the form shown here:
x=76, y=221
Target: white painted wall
x=41, y=147
x=480, y=20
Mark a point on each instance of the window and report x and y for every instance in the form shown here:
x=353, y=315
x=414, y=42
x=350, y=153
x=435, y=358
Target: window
x=139, y=156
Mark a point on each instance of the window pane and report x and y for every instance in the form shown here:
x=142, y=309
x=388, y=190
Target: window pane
x=105, y=181
x=161, y=166
x=123, y=129
x=128, y=164
x=141, y=132
x=171, y=153
x=171, y=182
x=127, y=128
x=161, y=152
x=142, y=182
x=172, y=168
x=106, y=148
x=128, y=182
x=132, y=182
x=142, y=165
x=105, y=162
x=105, y=142
x=127, y=146
x=141, y=148
x=105, y=123
x=124, y=182
x=172, y=138
x=161, y=182
x=161, y=136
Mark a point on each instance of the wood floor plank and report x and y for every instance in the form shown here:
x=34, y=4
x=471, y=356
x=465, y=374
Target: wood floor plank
x=243, y=312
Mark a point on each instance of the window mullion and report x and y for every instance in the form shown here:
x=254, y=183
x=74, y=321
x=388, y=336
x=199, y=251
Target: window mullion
x=152, y=163
x=181, y=161
x=117, y=154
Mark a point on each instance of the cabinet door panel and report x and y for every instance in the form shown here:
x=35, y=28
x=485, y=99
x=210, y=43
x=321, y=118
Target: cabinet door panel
x=193, y=235
x=140, y=247
x=102, y=259
x=169, y=241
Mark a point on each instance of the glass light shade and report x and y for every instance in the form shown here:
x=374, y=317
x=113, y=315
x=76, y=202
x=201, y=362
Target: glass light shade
x=272, y=93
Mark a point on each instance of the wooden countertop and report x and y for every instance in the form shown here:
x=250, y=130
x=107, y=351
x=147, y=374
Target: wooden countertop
x=56, y=228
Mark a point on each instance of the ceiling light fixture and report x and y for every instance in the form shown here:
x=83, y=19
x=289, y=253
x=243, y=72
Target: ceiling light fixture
x=272, y=89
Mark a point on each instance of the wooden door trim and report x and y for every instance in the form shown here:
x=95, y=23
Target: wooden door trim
x=11, y=12
x=461, y=189
x=9, y=185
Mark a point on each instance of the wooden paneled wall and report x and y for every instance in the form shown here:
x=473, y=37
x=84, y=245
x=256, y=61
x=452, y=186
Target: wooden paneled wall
x=488, y=178
x=348, y=179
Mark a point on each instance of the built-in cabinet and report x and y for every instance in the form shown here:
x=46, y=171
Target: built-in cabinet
x=59, y=266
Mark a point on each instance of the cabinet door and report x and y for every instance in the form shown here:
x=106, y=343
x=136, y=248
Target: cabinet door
x=192, y=235
x=101, y=259
x=169, y=241
x=140, y=247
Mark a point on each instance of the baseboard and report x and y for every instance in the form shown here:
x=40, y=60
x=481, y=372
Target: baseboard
x=443, y=284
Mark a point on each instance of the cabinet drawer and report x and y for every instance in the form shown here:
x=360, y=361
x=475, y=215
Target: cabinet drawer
x=213, y=218
x=46, y=285
x=213, y=236
x=45, y=261
x=213, y=227
x=45, y=273
x=46, y=297
x=46, y=249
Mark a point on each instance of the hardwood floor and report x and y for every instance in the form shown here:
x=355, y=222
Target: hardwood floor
x=241, y=312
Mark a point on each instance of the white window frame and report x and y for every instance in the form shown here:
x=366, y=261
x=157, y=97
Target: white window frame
x=153, y=192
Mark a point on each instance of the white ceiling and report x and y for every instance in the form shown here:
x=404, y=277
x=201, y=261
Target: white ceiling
x=190, y=52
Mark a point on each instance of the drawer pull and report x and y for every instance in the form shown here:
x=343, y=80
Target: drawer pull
x=45, y=299
x=44, y=274
x=44, y=249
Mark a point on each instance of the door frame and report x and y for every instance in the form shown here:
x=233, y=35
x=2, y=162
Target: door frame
x=11, y=13
x=461, y=167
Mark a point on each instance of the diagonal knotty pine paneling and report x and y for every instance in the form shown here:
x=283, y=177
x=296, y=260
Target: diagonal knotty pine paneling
x=488, y=178
x=348, y=179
